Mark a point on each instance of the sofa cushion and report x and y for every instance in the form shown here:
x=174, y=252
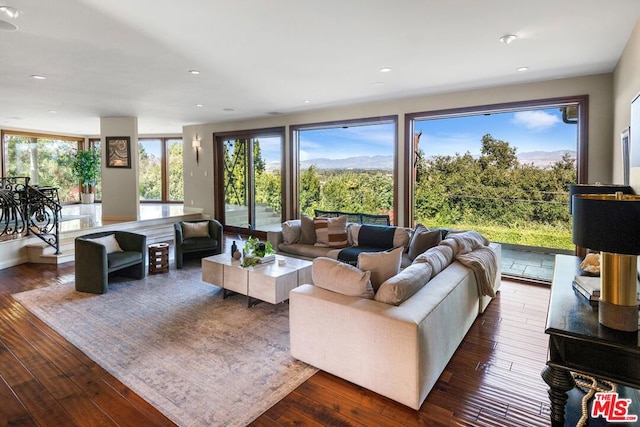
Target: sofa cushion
x=438, y=257
x=195, y=229
x=291, y=231
x=109, y=242
x=342, y=278
x=402, y=237
x=376, y=236
x=397, y=289
x=331, y=232
x=307, y=231
x=382, y=265
x=422, y=240
x=308, y=251
x=199, y=244
x=117, y=260
x=352, y=233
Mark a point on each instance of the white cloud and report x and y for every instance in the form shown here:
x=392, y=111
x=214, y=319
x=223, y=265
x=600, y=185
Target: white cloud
x=535, y=120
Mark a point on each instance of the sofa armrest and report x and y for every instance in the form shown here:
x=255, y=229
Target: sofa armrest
x=372, y=344
x=275, y=237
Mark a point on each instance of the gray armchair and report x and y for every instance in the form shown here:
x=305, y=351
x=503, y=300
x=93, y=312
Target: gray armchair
x=192, y=239
x=94, y=263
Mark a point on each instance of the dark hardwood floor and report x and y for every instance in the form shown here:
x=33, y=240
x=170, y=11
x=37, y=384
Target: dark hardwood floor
x=492, y=380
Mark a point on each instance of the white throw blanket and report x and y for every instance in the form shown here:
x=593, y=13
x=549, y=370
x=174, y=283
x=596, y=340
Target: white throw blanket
x=472, y=250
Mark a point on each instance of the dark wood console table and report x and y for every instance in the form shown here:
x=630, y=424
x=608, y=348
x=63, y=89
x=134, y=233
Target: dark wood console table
x=579, y=343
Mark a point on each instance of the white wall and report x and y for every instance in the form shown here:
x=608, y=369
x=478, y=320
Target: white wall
x=120, y=200
x=626, y=85
x=199, y=179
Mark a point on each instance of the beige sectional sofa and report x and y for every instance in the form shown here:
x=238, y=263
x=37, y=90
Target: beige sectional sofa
x=398, y=351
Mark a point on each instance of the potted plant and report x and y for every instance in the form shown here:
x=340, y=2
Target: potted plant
x=255, y=251
x=86, y=167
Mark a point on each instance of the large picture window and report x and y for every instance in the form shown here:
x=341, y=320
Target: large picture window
x=346, y=166
x=501, y=170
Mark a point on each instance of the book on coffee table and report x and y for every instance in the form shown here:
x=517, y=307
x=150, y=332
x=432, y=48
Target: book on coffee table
x=589, y=287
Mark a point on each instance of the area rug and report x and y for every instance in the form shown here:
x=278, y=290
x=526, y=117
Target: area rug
x=200, y=359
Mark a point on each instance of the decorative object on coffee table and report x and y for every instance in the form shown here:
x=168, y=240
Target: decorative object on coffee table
x=256, y=252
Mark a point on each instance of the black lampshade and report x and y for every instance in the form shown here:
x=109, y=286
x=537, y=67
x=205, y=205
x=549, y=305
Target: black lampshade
x=606, y=223
x=596, y=189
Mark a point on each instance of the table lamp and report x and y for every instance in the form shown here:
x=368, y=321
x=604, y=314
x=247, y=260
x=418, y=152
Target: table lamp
x=611, y=224
x=596, y=188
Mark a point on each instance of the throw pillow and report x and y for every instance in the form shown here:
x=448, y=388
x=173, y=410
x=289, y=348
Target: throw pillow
x=402, y=237
x=331, y=232
x=307, y=231
x=382, y=265
x=399, y=288
x=422, y=240
x=109, y=242
x=291, y=231
x=438, y=257
x=195, y=229
x=342, y=278
x=352, y=233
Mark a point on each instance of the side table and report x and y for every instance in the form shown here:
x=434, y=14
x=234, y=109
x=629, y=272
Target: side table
x=579, y=343
x=158, y=258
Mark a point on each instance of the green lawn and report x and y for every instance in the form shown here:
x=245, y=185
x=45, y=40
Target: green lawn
x=540, y=236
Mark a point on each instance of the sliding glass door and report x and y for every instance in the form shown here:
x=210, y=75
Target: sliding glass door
x=249, y=166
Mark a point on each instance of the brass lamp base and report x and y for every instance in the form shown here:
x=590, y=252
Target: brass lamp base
x=618, y=306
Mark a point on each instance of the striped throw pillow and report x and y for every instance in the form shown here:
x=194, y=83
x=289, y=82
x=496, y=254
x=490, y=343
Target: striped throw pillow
x=331, y=232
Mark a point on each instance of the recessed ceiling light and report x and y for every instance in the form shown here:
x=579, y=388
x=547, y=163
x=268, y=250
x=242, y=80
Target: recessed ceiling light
x=385, y=69
x=53, y=111
x=377, y=84
x=38, y=77
x=522, y=68
x=307, y=101
x=199, y=105
x=228, y=110
x=508, y=38
x=195, y=72
x=11, y=12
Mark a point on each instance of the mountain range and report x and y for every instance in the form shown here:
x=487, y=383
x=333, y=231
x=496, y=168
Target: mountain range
x=541, y=159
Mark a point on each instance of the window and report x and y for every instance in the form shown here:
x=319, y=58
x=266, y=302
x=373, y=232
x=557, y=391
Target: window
x=160, y=169
x=501, y=170
x=346, y=166
x=43, y=158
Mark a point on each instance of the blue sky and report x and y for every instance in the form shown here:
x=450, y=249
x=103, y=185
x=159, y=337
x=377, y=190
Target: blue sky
x=532, y=130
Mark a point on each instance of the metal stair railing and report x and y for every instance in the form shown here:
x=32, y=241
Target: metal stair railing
x=25, y=210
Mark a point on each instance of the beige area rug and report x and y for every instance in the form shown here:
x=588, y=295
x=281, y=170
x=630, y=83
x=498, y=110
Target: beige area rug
x=199, y=359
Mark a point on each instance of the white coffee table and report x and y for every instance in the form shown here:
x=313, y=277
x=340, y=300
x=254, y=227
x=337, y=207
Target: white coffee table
x=270, y=282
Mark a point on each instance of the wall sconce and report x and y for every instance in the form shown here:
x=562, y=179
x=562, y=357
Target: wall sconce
x=196, y=146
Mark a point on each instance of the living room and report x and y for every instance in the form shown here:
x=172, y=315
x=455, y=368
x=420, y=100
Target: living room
x=610, y=92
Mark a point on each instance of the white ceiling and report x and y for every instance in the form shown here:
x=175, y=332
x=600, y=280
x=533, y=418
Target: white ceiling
x=132, y=57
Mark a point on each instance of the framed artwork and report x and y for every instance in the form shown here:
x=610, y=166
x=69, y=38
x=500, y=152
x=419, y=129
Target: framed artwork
x=624, y=141
x=118, y=151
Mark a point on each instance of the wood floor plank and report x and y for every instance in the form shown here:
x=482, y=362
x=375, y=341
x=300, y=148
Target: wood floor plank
x=492, y=379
